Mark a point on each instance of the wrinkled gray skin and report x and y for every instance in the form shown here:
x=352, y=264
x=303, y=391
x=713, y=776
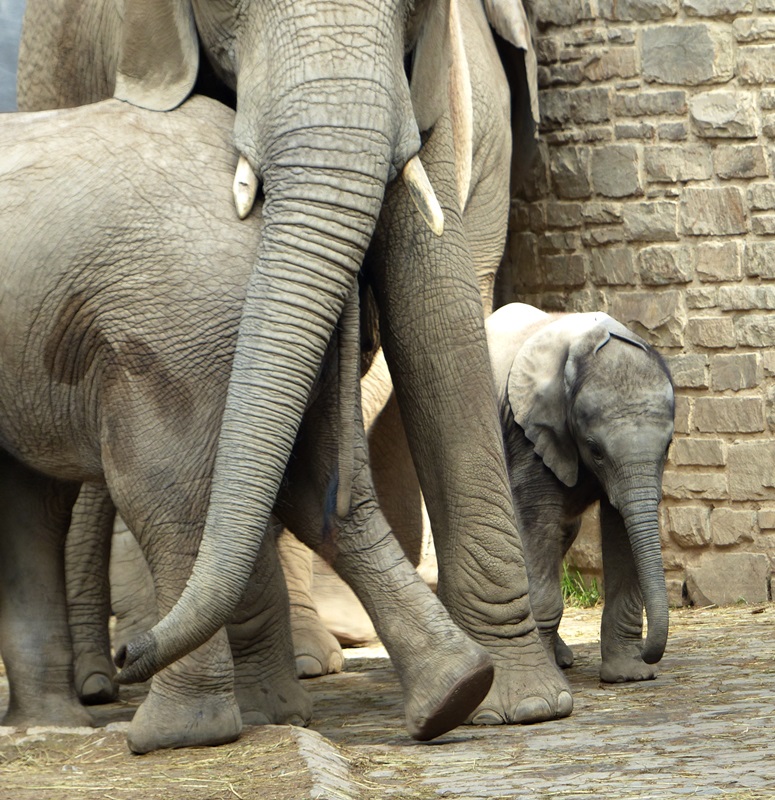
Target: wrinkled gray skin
x=124, y=271
x=99, y=544
x=327, y=117
x=587, y=409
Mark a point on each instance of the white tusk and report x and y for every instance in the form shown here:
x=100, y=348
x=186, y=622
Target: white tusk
x=461, y=106
x=245, y=187
x=423, y=196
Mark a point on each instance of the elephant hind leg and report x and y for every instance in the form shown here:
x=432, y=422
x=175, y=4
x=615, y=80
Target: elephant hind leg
x=316, y=650
x=35, y=638
x=265, y=681
x=162, y=497
x=88, y=594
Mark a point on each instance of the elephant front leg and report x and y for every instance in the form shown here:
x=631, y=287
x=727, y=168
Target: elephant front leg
x=546, y=539
x=621, y=631
x=444, y=675
x=435, y=344
x=316, y=650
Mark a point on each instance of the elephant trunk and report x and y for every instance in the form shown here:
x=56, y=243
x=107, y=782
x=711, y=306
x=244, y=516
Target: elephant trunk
x=640, y=515
x=320, y=211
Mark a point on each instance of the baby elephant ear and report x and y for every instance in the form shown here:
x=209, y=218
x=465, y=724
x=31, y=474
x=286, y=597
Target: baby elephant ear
x=536, y=394
x=617, y=330
x=539, y=382
x=159, y=56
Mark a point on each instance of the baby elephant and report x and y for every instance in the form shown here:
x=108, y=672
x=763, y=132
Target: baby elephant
x=587, y=412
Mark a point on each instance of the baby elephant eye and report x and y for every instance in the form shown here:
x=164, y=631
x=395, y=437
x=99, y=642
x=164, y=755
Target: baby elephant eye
x=594, y=450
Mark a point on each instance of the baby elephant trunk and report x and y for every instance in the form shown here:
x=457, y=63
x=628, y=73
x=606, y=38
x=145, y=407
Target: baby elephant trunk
x=642, y=524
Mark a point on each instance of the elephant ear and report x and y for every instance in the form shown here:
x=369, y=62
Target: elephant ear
x=159, y=55
x=538, y=391
x=509, y=20
x=441, y=80
x=591, y=342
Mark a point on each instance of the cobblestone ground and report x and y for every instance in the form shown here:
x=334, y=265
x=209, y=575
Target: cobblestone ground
x=704, y=728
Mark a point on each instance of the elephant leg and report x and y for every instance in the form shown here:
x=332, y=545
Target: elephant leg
x=35, y=641
x=162, y=497
x=87, y=553
x=398, y=492
x=621, y=630
x=132, y=594
x=395, y=480
x=265, y=681
x=544, y=539
x=433, y=335
x=191, y=702
x=444, y=675
x=317, y=652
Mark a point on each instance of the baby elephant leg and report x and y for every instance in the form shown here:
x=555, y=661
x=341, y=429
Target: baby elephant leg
x=621, y=631
x=316, y=650
x=545, y=540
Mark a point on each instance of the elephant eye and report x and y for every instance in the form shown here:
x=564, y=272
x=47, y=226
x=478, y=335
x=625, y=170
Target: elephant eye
x=594, y=450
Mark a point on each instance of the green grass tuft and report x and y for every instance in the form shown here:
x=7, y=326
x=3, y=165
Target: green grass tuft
x=576, y=592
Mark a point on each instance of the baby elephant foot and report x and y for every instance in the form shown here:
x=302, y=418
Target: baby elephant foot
x=622, y=668
x=556, y=648
x=181, y=720
x=317, y=651
x=563, y=655
x=527, y=688
x=98, y=688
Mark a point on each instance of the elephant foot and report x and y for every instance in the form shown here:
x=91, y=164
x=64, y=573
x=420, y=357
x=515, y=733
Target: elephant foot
x=95, y=680
x=317, y=651
x=274, y=703
x=622, y=668
x=60, y=709
x=527, y=687
x=97, y=689
x=556, y=648
x=181, y=720
x=563, y=655
x=446, y=689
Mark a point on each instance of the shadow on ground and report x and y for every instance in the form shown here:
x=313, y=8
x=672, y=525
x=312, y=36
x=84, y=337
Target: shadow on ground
x=704, y=728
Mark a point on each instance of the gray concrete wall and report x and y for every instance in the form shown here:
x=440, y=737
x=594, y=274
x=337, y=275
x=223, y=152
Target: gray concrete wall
x=651, y=196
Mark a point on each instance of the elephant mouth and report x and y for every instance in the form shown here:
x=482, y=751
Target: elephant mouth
x=245, y=189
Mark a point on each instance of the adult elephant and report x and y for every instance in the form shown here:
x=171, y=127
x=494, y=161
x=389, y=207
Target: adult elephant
x=326, y=117
x=119, y=329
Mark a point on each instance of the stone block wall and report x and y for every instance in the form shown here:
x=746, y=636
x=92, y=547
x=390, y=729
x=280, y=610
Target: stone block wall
x=650, y=194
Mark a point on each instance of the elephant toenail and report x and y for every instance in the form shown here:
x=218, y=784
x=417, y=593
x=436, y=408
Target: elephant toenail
x=336, y=663
x=564, y=704
x=487, y=716
x=308, y=667
x=533, y=709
